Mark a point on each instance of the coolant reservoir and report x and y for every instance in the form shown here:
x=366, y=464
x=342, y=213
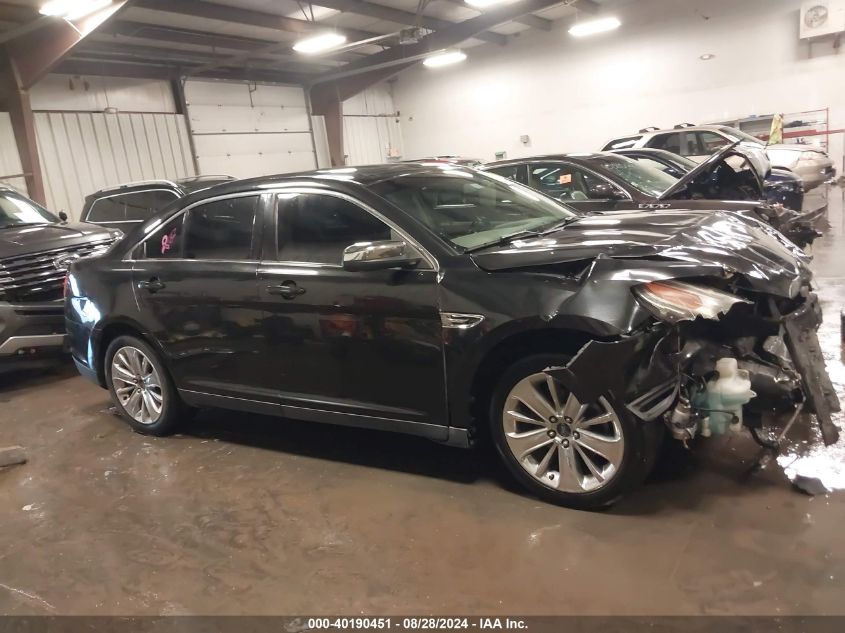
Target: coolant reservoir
x=723, y=399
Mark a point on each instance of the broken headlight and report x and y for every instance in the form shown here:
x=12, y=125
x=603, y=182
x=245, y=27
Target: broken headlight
x=674, y=301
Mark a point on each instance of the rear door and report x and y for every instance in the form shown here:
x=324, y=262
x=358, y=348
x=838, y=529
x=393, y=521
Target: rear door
x=342, y=342
x=195, y=284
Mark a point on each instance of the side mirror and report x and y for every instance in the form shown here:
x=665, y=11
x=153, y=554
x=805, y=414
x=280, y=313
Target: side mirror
x=63, y=216
x=363, y=256
x=605, y=191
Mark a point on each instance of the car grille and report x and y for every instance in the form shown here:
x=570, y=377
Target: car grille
x=36, y=277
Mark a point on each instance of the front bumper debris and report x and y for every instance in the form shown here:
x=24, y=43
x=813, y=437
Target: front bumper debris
x=805, y=351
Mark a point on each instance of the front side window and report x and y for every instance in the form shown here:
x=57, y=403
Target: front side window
x=316, y=228
x=222, y=229
x=470, y=209
x=571, y=183
x=16, y=210
x=647, y=179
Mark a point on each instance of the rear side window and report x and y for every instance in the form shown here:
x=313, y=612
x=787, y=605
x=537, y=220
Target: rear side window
x=670, y=142
x=166, y=242
x=622, y=143
x=317, y=228
x=130, y=207
x=222, y=229
x=512, y=172
x=709, y=142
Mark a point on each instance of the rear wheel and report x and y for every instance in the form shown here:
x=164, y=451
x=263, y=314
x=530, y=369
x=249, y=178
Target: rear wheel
x=141, y=387
x=581, y=455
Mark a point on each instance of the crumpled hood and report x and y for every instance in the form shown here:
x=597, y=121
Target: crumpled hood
x=23, y=240
x=714, y=240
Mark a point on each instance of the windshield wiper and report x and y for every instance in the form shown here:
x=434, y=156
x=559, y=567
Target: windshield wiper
x=560, y=225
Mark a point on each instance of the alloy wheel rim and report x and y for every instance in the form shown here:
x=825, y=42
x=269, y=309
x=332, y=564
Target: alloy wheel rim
x=137, y=385
x=562, y=443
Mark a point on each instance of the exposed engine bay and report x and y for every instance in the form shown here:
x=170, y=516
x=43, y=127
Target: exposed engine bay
x=717, y=361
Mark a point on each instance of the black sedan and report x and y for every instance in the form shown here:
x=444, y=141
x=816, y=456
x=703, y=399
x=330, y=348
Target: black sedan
x=444, y=302
x=781, y=186
x=606, y=181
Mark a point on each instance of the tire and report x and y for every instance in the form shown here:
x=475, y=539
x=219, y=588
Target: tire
x=561, y=468
x=155, y=409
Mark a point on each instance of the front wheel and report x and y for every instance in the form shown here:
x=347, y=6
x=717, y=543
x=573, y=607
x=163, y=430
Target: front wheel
x=580, y=455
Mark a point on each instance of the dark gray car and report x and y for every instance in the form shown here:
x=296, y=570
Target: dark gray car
x=36, y=248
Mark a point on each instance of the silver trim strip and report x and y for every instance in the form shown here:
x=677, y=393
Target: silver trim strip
x=460, y=320
x=15, y=343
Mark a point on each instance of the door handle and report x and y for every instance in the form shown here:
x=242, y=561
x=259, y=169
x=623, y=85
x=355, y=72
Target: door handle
x=152, y=285
x=286, y=290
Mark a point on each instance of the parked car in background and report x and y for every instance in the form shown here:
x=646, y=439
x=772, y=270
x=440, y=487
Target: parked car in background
x=431, y=299
x=36, y=247
x=607, y=181
x=780, y=187
x=124, y=206
x=697, y=142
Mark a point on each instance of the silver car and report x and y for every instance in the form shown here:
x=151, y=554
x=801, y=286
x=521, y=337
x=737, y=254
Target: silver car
x=698, y=142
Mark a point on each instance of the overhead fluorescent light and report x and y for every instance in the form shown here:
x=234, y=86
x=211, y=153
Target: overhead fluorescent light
x=444, y=59
x=706, y=57
x=72, y=9
x=319, y=43
x=481, y=4
x=594, y=26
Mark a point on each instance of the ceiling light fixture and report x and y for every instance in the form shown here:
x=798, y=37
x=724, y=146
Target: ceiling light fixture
x=72, y=9
x=707, y=57
x=445, y=58
x=482, y=4
x=594, y=26
x=319, y=43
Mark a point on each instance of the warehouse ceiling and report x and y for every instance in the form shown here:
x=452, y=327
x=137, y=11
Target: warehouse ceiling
x=253, y=39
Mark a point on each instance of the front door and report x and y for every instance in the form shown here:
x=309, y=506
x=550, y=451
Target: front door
x=195, y=283
x=351, y=343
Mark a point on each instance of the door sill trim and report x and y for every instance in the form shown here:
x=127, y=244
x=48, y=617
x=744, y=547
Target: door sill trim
x=435, y=432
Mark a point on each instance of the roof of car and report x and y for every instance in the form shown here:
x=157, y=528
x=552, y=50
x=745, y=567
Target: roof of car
x=581, y=156
x=189, y=184
x=361, y=175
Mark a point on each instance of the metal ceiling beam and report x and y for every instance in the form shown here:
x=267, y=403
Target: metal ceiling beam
x=249, y=17
x=143, y=31
x=381, y=12
x=139, y=70
x=533, y=21
x=445, y=38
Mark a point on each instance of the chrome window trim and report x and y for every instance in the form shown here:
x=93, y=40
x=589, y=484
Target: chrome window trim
x=182, y=212
x=432, y=261
x=142, y=183
x=117, y=195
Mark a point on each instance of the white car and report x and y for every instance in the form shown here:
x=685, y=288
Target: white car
x=698, y=142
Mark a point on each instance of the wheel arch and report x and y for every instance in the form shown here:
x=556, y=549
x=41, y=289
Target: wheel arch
x=109, y=332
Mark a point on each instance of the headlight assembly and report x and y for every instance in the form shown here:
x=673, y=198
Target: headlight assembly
x=674, y=301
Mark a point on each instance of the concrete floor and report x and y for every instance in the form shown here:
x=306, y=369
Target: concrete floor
x=246, y=514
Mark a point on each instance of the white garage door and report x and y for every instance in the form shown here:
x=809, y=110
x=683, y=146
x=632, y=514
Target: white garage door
x=82, y=152
x=249, y=130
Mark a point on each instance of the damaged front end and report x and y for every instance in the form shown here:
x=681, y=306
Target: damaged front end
x=713, y=359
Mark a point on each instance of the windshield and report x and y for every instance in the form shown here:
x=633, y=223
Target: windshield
x=470, y=209
x=739, y=135
x=16, y=210
x=647, y=179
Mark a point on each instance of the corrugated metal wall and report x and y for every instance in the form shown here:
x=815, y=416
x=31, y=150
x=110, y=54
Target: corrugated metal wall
x=371, y=128
x=10, y=160
x=249, y=130
x=82, y=152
